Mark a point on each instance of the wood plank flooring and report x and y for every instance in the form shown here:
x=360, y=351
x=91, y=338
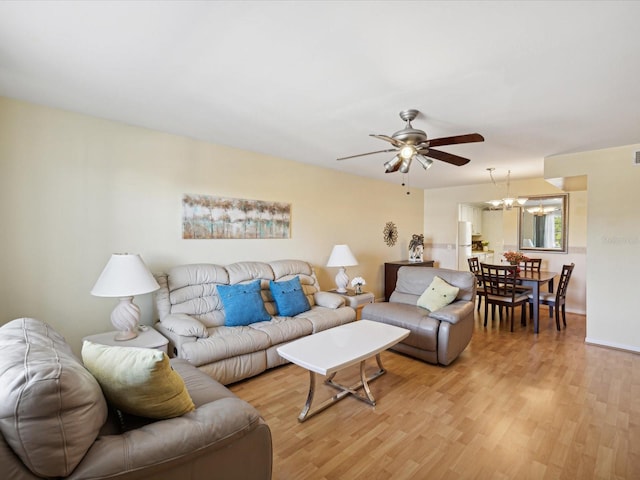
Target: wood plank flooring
x=512, y=406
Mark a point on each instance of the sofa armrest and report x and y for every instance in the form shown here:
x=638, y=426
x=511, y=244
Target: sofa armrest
x=454, y=312
x=184, y=325
x=162, y=449
x=328, y=300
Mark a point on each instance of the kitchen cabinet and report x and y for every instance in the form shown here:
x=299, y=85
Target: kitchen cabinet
x=469, y=213
x=484, y=257
x=476, y=223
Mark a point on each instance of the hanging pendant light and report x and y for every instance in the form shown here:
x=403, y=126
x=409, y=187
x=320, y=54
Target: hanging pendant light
x=506, y=202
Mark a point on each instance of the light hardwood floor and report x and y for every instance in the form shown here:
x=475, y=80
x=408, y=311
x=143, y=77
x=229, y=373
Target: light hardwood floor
x=512, y=406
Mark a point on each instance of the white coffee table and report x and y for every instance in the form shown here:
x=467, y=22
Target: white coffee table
x=332, y=350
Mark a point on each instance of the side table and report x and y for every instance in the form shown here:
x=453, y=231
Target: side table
x=148, y=337
x=356, y=301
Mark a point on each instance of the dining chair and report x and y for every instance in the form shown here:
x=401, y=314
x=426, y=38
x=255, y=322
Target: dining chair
x=557, y=300
x=474, y=267
x=500, y=282
x=531, y=265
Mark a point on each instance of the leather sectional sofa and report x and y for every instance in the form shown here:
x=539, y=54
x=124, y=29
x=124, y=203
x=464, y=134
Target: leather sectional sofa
x=192, y=317
x=56, y=423
x=437, y=337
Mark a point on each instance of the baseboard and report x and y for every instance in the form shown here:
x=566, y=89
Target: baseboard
x=613, y=345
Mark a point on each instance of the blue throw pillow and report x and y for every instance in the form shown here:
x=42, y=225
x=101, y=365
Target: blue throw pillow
x=242, y=304
x=289, y=297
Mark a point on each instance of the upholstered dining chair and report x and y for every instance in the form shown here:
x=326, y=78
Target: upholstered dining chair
x=474, y=267
x=555, y=300
x=500, y=282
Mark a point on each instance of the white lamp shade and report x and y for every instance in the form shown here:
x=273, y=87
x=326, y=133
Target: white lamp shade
x=125, y=275
x=341, y=256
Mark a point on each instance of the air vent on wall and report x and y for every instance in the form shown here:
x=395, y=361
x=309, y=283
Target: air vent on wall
x=636, y=158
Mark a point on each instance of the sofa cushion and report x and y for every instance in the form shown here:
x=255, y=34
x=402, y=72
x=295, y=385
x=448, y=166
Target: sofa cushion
x=289, y=297
x=437, y=295
x=284, y=329
x=139, y=381
x=322, y=318
x=49, y=403
x=225, y=342
x=243, y=304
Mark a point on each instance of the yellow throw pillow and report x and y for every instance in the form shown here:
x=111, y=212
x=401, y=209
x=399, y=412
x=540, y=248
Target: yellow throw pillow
x=437, y=295
x=139, y=381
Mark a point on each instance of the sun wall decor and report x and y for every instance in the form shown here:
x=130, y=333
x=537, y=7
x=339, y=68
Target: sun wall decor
x=390, y=234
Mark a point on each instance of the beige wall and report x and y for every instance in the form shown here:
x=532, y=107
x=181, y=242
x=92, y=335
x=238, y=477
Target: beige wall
x=613, y=235
x=441, y=215
x=75, y=189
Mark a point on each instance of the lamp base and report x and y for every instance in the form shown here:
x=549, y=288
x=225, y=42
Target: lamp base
x=341, y=281
x=125, y=317
x=125, y=335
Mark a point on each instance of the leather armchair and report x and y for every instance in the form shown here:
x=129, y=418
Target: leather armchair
x=437, y=337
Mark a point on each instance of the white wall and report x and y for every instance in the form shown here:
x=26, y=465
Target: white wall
x=441, y=215
x=613, y=236
x=75, y=189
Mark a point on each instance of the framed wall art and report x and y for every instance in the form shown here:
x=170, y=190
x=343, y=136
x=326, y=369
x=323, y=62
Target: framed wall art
x=210, y=217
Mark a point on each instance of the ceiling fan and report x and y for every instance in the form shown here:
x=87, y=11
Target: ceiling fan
x=411, y=143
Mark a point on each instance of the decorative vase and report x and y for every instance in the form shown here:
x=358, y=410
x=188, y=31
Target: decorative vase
x=358, y=289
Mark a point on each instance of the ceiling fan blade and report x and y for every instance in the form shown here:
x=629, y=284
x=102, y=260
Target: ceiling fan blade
x=363, y=154
x=468, y=138
x=392, y=141
x=446, y=157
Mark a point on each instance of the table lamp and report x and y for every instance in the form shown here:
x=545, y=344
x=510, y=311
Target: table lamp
x=341, y=256
x=124, y=276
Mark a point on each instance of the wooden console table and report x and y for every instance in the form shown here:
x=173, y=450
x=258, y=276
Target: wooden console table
x=391, y=274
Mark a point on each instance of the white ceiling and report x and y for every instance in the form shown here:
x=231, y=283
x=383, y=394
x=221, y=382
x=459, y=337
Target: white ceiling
x=309, y=81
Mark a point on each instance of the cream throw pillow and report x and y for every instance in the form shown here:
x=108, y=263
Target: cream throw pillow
x=437, y=295
x=139, y=381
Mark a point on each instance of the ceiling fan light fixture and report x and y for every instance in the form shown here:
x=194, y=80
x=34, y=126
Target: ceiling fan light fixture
x=407, y=152
x=391, y=165
x=406, y=163
x=424, y=161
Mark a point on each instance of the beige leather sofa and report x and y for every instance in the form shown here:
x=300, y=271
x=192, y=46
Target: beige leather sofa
x=55, y=422
x=437, y=337
x=192, y=317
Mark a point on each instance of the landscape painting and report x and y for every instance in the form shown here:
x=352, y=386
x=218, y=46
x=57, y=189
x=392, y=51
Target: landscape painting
x=209, y=217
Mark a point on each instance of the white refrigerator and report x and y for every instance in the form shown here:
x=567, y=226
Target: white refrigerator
x=464, y=245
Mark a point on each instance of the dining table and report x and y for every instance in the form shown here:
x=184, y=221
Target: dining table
x=535, y=280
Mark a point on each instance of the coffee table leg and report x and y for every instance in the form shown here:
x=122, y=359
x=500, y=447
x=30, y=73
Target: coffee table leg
x=343, y=390
x=312, y=390
x=306, y=410
x=365, y=385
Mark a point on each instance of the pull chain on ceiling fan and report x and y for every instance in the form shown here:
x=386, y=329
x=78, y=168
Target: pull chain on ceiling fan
x=411, y=143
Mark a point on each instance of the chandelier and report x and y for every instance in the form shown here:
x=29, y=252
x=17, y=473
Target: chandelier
x=508, y=201
x=541, y=211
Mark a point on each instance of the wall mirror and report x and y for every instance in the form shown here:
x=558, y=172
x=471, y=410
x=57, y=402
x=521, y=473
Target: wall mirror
x=542, y=224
